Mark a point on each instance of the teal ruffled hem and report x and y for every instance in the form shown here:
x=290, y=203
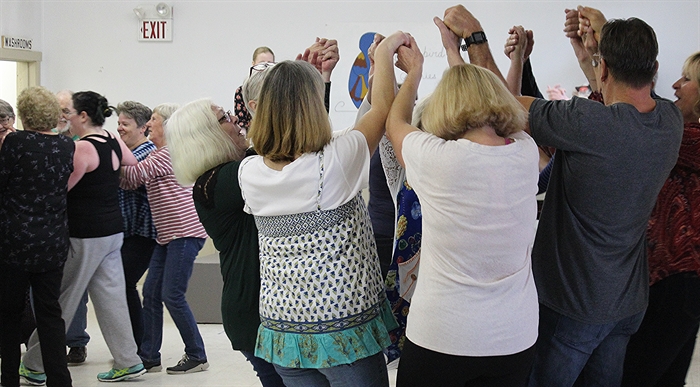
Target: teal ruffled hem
x=324, y=350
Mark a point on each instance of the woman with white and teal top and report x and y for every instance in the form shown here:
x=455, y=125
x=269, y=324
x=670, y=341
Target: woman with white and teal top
x=323, y=311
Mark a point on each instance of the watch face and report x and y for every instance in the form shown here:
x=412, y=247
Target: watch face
x=479, y=37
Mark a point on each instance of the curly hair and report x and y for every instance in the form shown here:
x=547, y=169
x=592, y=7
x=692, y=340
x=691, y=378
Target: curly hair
x=38, y=109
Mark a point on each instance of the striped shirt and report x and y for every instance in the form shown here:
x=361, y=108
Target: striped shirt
x=172, y=207
x=134, y=203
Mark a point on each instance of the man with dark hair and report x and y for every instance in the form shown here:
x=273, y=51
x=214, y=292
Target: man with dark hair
x=589, y=257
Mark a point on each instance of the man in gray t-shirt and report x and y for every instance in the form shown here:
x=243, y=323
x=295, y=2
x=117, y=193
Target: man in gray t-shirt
x=589, y=256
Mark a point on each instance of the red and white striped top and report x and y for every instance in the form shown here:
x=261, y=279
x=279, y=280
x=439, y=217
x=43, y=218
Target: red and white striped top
x=172, y=207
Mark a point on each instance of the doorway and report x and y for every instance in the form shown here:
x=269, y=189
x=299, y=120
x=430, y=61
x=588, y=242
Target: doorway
x=19, y=69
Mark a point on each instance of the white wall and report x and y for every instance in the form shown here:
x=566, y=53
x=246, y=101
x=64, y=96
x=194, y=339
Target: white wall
x=92, y=44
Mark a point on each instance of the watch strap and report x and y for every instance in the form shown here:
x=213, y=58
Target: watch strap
x=478, y=37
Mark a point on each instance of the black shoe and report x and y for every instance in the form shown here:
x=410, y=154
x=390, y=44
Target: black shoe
x=152, y=366
x=76, y=355
x=187, y=366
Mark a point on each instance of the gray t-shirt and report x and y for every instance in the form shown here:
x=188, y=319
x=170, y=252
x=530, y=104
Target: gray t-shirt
x=589, y=257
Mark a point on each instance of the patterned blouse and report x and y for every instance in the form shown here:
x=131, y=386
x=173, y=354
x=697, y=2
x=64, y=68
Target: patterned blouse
x=240, y=110
x=34, y=171
x=674, y=227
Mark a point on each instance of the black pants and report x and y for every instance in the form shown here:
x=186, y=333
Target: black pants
x=422, y=367
x=46, y=288
x=385, y=250
x=659, y=354
x=136, y=255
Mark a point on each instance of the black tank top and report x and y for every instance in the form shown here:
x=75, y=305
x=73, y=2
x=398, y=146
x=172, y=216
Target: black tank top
x=93, y=203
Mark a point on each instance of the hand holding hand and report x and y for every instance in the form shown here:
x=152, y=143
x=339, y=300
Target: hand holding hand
x=450, y=40
x=329, y=57
x=392, y=42
x=571, y=30
x=591, y=23
x=517, y=44
x=373, y=47
x=410, y=58
x=461, y=21
x=311, y=57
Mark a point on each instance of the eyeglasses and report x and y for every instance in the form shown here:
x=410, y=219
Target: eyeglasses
x=261, y=67
x=226, y=118
x=68, y=112
x=6, y=119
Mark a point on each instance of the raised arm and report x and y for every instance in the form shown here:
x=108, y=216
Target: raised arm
x=450, y=41
x=516, y=50
x=372, y=123
x=464, y=25
x=591, y=23
x=398, y=124
x=571, y=30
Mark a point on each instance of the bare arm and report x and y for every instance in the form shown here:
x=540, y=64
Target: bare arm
x=398, y=124
x=464, y=24
x=371, y=125
x=526, y=102
x=515, y=50
x=85, y=159
x=128, y=158
x=450, y=41
x=571, y=30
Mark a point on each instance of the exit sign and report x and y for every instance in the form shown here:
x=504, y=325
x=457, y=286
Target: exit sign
x=156, y=30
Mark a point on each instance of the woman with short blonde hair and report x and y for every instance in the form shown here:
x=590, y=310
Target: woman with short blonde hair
x=470, y=97
x=474, y=307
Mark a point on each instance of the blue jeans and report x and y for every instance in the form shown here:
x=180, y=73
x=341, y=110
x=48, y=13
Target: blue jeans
x=166, y=283
x=266, y=371
x=569, y=352
x=368, y=372
x=77, y=336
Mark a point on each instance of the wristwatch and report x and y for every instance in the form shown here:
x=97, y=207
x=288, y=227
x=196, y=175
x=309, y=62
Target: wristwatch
x=478, y=37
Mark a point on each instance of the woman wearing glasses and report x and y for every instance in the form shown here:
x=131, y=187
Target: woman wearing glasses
x=261, y=56
x=7, y=120
x=180, y=236
x=207, y=145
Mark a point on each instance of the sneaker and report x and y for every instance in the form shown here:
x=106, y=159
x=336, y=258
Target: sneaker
x=152, y=366
x=116, y=375
x=33, y=378
x=187, y=366
x=76, y=355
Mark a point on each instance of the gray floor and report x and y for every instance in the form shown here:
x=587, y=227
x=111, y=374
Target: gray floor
x=226, y=366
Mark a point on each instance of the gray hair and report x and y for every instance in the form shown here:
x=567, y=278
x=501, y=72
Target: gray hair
x=197, y=142
x=166, y=110
x=6, y=110
x=252, y=86
x=136, y=111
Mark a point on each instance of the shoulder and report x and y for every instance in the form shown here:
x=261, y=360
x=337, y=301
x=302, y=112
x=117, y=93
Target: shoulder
x=347, y=138
x=418, y=140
